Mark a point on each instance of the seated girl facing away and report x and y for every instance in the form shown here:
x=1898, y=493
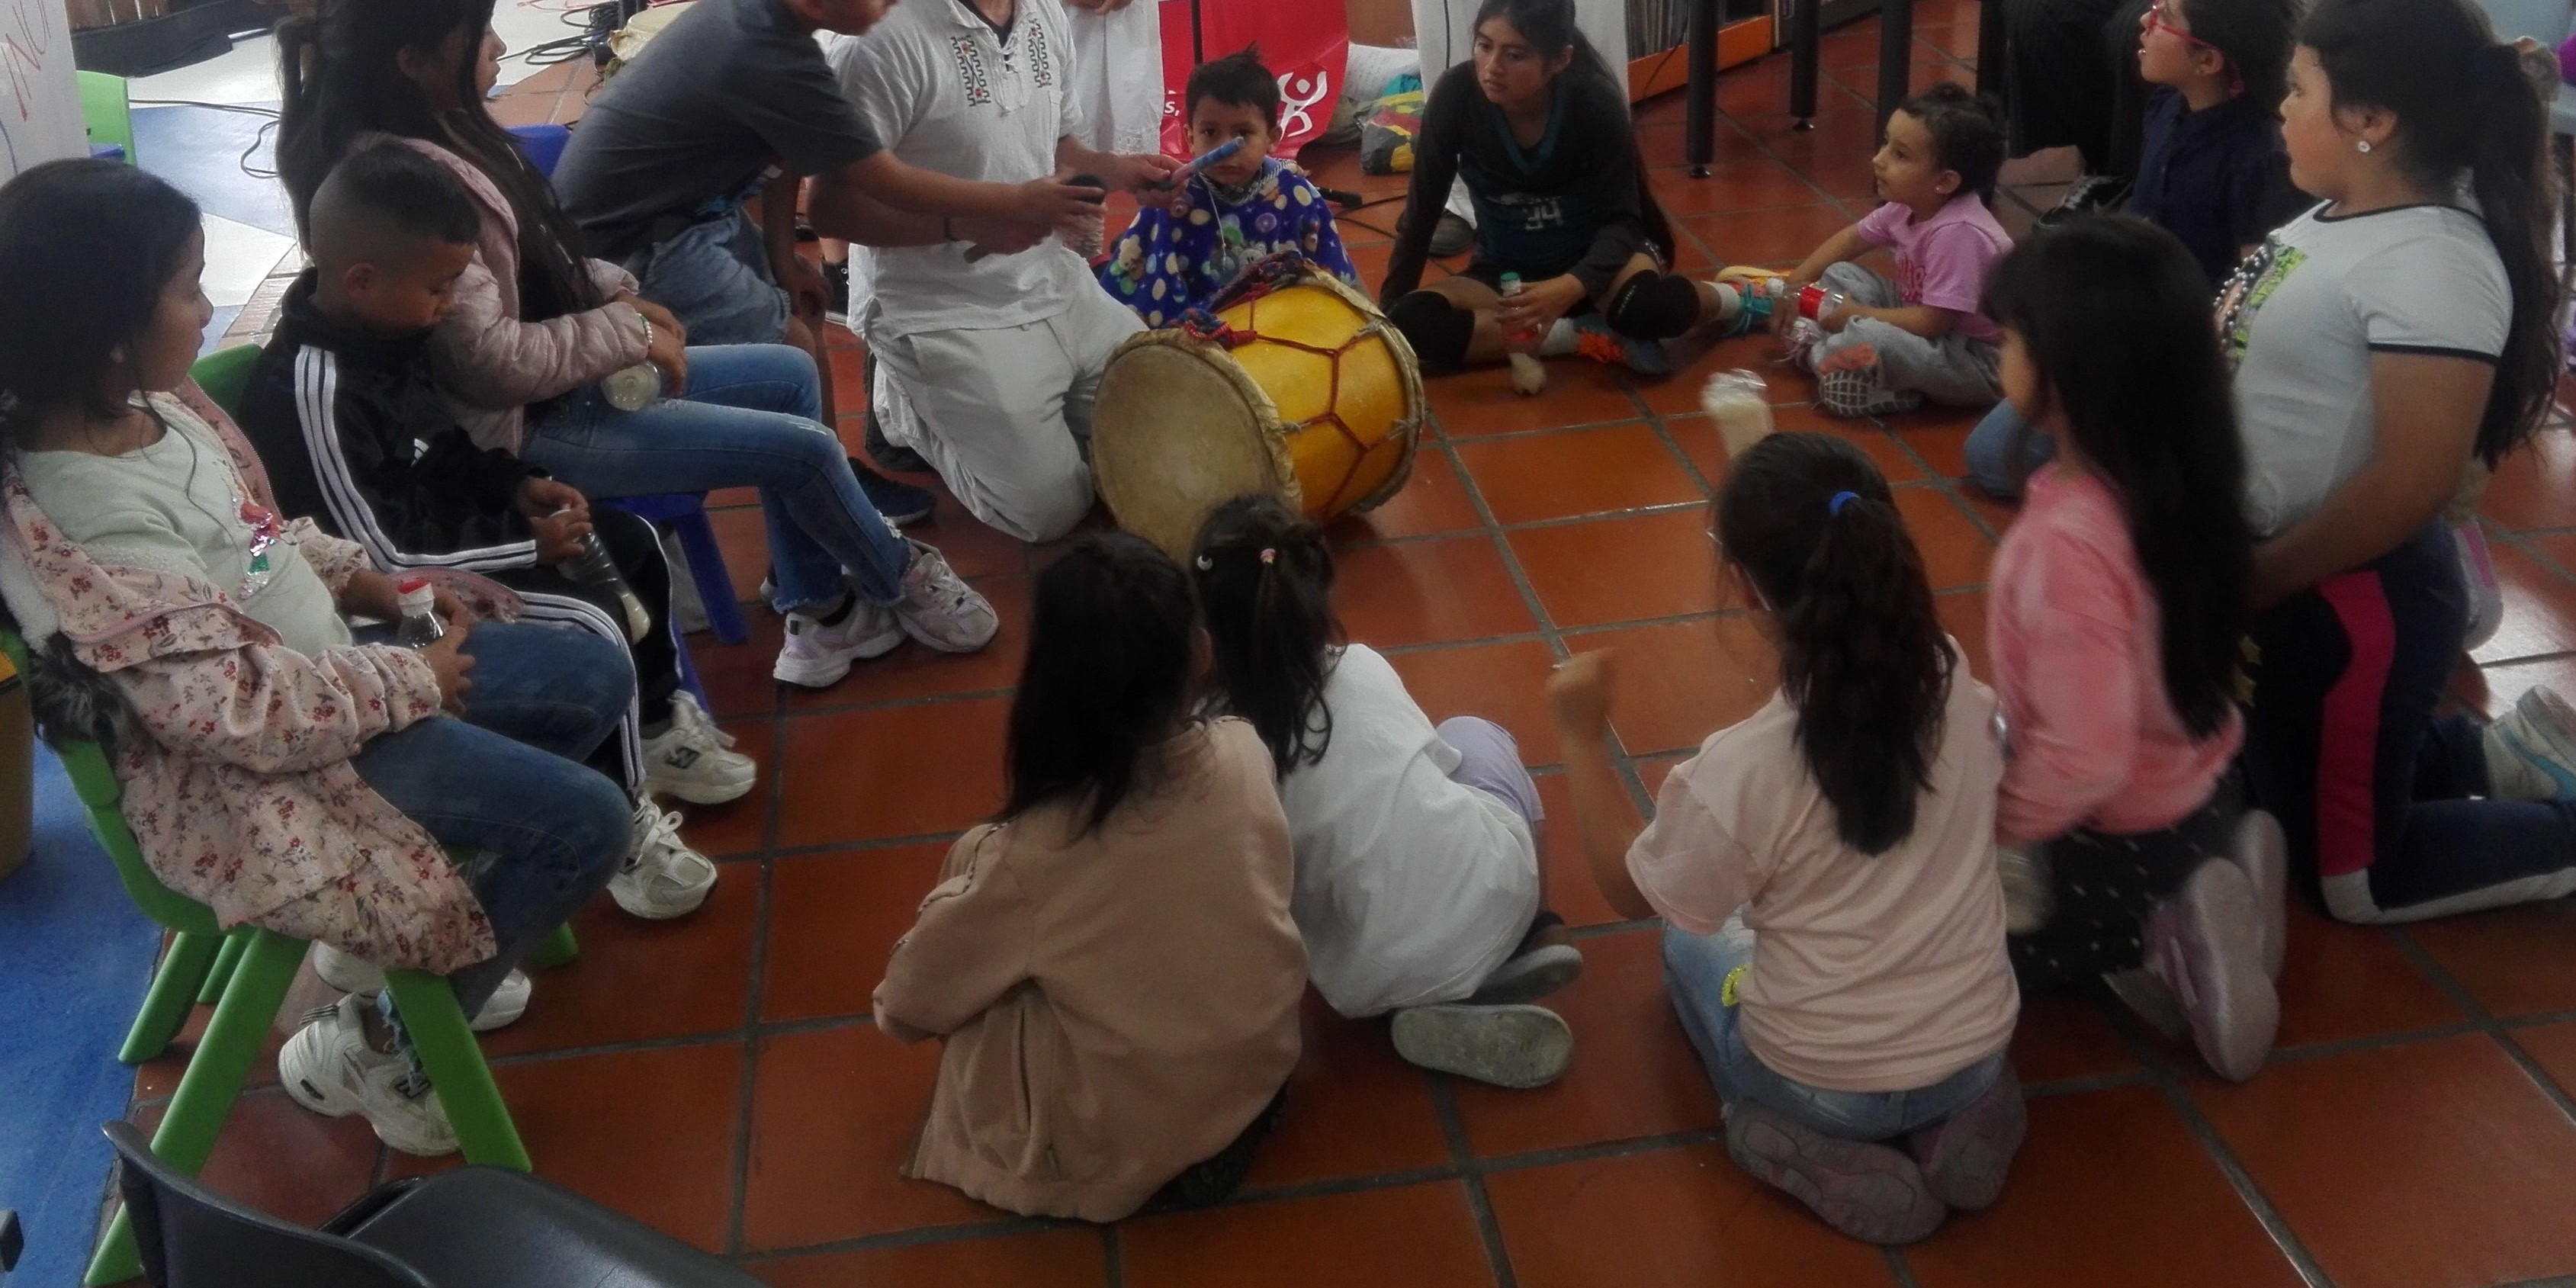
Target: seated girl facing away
x=1835, y=945
x=2114, y=623
x=177, y=619
x=1112, y=966
x=1893, y=344
x=1232, y=214
x=1417, y=847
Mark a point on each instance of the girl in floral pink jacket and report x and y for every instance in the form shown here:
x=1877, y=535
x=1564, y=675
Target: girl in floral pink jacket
x=280, y=767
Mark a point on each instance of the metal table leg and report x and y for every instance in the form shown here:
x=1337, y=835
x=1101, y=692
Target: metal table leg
x=1895, y=56
x=1699, y=139
x=1806, y=35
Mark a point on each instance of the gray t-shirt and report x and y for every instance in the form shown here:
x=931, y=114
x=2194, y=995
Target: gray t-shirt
x=728, y=88
x=2303, y=315
x=179, y=507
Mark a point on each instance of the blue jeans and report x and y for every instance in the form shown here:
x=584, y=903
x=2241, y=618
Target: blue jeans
x=751, y=417
x=1695, y=969
x=506, y=783
x=714, y=276
x=1991, y=462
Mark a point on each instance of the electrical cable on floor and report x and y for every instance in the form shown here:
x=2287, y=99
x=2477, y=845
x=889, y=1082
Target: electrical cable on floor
x=269, y=117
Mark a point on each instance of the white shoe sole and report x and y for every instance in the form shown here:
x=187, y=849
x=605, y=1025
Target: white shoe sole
x=639, y=904
x=701, y=793
x=1508, y=1046
x=824, y=672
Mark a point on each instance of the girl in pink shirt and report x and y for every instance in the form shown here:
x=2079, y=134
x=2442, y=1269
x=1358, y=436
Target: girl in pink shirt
x=2117, y=604
x=1834, y=942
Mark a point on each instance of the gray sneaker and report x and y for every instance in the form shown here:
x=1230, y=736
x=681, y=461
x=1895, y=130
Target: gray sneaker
x=1507, y=1046
x=938, y=607
x=2203, y=944
x=1966, y=1155
x=1872, y=1193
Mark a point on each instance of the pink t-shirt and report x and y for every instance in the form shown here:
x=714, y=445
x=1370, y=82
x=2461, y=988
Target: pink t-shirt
x=1943, y=261
x=2073, y=631
x=1877, y=972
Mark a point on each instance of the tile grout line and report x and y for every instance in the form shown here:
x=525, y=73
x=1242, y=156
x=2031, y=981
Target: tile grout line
x=2483, y=1020
x=2168, y=1082
x=1480, y=1205
x=749, y=1083
x=1113, y=1257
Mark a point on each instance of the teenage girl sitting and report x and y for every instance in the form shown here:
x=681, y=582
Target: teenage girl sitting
x=1417, y=847
x=1112, y=965
x=1835, y=933
x=277, y=766
x=2381, y=341
x=1539, y=128
x=2114, y=623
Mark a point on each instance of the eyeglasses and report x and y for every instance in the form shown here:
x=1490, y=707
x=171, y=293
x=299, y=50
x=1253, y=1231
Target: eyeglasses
x=2156, y=21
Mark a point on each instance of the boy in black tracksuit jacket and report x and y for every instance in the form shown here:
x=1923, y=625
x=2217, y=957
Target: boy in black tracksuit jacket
x=355, y=434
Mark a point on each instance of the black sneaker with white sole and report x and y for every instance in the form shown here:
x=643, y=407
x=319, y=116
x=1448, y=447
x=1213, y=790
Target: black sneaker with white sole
x=901, y=503
x=2092, y=192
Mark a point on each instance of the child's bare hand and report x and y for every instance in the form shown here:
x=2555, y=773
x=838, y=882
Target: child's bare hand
x=1578, y=694
x=558, y=535
x=449, y=661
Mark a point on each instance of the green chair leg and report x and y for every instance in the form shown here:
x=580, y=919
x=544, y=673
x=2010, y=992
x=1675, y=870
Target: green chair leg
x=174, y=987
x=557, y=949
x=222, y=973
x=454, y=1063
x=213, y=1081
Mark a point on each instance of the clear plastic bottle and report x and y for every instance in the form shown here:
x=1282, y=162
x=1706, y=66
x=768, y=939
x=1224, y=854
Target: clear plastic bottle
x=1740, y=402
x=1529, y=375
x=1518, y=339
x=632, y=388
x=593, y=568
x=420, y=626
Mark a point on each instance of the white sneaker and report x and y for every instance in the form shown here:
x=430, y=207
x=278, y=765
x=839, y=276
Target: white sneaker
x=816, y=655
x=663, y=878
x=940, y=609
x=329, y=1068
x=690, y=759
x=356, y=975
x=2531, y=750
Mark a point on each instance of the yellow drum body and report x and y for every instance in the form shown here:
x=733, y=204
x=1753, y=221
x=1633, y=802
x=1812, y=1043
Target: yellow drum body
x=1318, y=400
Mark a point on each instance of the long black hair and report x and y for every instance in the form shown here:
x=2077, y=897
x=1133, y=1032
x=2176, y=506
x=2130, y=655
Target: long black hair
x=2463, y=107
x=1862, y=656
x=341, y=81
x=1550, y=28
x=1112, y=645
x=2114, y=313
x=86, y=250
x=1265, y=582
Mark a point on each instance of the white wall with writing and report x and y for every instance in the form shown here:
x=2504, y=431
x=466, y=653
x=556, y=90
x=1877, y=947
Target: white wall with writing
x=40, y=114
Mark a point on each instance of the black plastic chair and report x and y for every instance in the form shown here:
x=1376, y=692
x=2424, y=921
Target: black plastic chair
x=488, y=1227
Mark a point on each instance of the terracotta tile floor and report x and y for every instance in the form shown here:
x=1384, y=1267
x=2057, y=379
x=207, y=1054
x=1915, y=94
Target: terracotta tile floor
x=718, y=1077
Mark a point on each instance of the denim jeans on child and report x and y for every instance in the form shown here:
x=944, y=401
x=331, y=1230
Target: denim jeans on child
x=1991, y=448
x=1872, y=368
x=714, y=276
x=506, y=785
x=1695, y=970
x=750, y=417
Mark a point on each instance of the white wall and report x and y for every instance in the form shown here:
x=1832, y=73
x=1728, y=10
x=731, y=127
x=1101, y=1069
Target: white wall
x=40, y=118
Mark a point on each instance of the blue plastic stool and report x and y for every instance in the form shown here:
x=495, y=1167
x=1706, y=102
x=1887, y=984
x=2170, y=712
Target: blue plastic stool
x=543, y=145
x=685, y=514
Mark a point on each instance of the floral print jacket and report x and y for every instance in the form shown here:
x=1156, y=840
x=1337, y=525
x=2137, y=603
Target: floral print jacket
x=1168, y=264
x=238, y=787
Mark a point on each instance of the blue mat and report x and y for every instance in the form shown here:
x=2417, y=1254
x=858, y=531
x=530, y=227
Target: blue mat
x=201, y=151
x=75, y=958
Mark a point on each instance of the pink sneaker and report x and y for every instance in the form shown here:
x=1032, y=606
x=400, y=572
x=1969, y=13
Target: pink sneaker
x=1869, y=1192
x=2205, y=946
x=1966, y=1156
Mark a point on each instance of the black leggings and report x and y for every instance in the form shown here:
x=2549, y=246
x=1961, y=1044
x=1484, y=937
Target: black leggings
x=2102, y=885
x=1213, y=1180
x=2372, y=788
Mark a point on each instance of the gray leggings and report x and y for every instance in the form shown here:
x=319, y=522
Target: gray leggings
x=1871, y=368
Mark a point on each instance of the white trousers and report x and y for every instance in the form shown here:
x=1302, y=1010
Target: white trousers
x=1118, y=76
x=1004, y=413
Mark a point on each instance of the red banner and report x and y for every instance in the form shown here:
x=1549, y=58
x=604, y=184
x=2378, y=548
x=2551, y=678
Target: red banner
x=1304, y=45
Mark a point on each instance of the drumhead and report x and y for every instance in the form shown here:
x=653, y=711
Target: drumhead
x=1177, y=430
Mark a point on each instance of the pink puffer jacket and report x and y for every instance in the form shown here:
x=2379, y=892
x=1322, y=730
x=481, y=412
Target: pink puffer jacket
x=491, y=364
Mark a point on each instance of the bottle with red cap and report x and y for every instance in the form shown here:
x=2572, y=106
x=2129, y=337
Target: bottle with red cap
x=420, y=626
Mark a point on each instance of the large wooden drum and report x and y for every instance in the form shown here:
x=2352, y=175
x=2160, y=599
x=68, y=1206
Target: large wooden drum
x=1305, y=391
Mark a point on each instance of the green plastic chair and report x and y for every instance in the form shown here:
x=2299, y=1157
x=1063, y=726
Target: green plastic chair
x=225, y=375
x=106, y=112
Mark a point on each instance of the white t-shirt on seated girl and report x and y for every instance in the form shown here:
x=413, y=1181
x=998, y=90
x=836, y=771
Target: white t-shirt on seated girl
x=1871, y=972
x=1411, y=887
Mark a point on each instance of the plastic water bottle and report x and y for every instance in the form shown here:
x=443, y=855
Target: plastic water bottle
x=1529, y=376
x=420, y=626
x=594, y=569
x=1739, y=401
x=632, y=388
